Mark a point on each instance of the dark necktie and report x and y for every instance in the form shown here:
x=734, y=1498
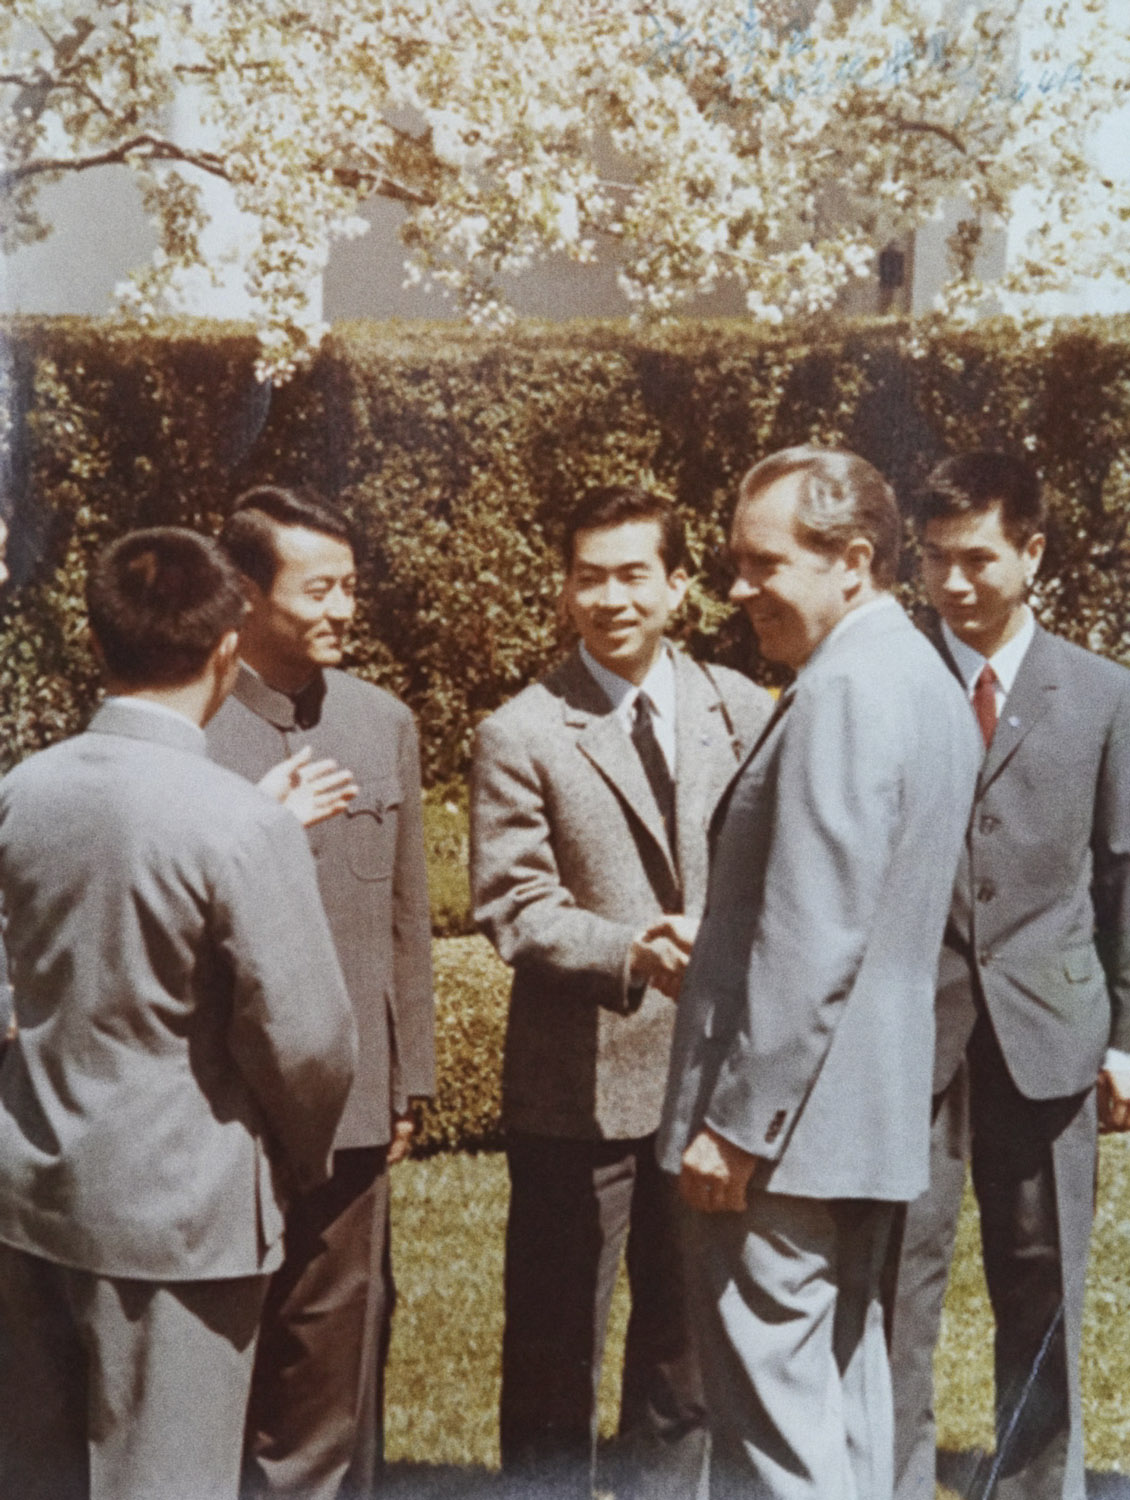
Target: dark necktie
x=654, y=762
x=985, y=703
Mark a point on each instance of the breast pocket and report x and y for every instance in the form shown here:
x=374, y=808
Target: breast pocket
x=370, y=829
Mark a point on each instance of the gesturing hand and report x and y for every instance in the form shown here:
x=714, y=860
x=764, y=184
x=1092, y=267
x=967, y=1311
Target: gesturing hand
x=313, y=790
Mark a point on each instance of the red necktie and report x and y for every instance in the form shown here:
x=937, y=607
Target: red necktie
x=985, y=702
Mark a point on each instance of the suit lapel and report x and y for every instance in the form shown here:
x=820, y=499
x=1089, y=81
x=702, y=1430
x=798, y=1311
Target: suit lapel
x=706, y=757
x=771, y=726
x=602, y=740
x=1032, y=695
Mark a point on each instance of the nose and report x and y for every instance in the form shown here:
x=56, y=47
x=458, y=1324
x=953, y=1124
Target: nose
x=612, y=593
x=954, y=580
x=741, y=589
x=340, y=605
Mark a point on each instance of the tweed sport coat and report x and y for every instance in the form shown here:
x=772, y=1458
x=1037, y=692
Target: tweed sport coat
x=805, y=1025
x=184, y=1030
x=371, y=873
x=1040, y=923
x=569, y=862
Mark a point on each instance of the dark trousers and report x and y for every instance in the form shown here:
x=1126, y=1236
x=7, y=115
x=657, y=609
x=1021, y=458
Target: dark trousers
x=573, y=1204
x=1033, y=1167
x=314, y=1423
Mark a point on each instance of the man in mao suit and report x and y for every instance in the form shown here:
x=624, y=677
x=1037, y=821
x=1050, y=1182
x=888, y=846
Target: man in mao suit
x=184, y=1049
x=1033, y=986
x=797, y=1112
x=590, y=796
x=314, y=1424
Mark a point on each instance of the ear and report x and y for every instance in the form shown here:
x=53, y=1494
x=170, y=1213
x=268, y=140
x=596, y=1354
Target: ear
x=1032, y=553
x=226, y=654
x=858, y=556
x=678, y=581
x=256, y=596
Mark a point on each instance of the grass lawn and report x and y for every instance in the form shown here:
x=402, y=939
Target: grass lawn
x=441, y=1408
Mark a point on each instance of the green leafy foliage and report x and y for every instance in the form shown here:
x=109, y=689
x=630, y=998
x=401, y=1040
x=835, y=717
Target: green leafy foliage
x=472, y=995
x=446, y=846
x=457, y=452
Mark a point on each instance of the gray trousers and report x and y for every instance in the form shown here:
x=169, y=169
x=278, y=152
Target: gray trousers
x=118, y=1389
x=1034, y=1176
x=788, y=1307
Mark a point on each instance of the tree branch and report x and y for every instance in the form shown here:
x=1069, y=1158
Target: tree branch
x=925, y=127
x=148, y=147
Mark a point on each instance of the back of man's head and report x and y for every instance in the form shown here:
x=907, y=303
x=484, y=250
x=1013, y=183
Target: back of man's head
x=248, y=535
x=159, y=603
x=969, y=484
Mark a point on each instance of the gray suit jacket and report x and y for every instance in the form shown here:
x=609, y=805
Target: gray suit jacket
x=805, y=1024
x=371, y=873
x=183, y=1025
x=1040, y=924
x=569, y=862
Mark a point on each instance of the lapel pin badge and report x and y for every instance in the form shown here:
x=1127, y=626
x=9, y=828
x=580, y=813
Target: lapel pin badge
x=1014, y=721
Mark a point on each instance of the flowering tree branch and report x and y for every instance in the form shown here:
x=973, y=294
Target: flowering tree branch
x=699, y=143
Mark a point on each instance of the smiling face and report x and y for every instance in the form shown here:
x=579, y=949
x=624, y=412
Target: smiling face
x=976, y=578
x=793, y=594
x=620, y=596
x=300, y=623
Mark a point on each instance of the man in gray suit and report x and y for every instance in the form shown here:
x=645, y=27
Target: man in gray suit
x=1033, y=987
x=797, y=1112
x=590, y=796
x=314, y=1425
x=184, y=1050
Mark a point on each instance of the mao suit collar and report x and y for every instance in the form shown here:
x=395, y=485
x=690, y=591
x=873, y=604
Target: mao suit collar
x=287, y=713
x=137, y=720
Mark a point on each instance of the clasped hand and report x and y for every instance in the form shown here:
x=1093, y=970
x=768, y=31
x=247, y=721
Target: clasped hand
x=660, y=953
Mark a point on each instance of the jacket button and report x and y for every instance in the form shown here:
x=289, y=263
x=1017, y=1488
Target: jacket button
x=986, y=890
x=985, y=957
x=988, y=823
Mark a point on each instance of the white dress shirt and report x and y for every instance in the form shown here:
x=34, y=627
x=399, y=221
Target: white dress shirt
x=659, y=689
x=1005, y=662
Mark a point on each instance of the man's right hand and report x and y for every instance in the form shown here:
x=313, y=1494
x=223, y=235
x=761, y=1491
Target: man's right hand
x=313, y=790
x=659, y=955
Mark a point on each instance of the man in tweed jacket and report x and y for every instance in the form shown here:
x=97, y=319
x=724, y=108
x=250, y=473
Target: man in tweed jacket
x=588, y=865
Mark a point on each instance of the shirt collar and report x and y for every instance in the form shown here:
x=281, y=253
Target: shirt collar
x=659, y=686
x=1005, y=662
x=148, y=706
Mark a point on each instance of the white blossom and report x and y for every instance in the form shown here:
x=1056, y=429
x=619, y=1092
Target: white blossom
x=706, y=142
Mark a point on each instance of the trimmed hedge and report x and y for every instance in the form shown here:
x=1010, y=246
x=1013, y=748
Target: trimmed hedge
x=456, y=452
x=472, y=996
